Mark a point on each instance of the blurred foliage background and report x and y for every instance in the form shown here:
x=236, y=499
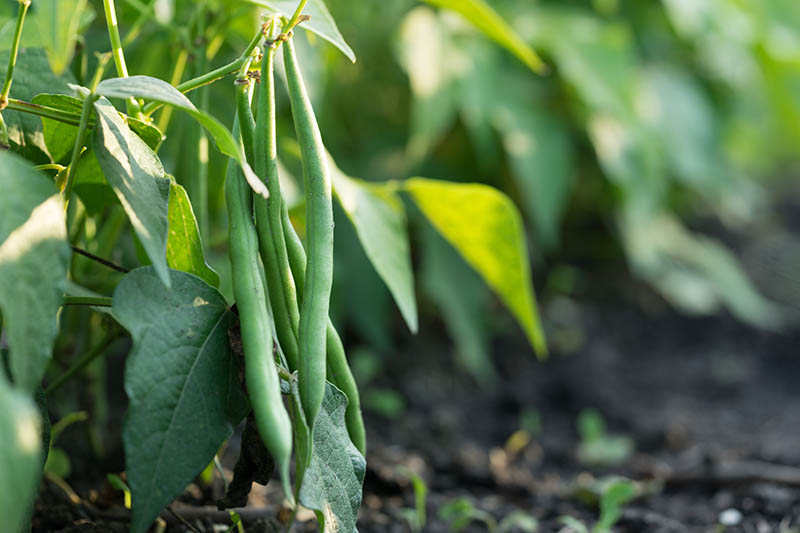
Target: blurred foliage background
x=654, y=121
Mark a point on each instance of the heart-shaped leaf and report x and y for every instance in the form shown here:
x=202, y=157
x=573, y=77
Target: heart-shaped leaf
x=182, y=382
x=20, y=455
x=334, y=479
x=34, y=257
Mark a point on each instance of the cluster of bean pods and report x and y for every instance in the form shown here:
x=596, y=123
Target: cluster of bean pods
x=293, y=289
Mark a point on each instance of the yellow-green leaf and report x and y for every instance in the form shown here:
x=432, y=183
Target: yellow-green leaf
x=486, y=228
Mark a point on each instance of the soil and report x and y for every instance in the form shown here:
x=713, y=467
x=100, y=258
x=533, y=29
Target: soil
x=709, y=405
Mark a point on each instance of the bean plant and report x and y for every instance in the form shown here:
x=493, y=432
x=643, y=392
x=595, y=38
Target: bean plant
x=100, y=242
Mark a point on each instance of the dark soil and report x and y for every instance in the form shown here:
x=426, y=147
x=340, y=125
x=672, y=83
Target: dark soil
x=710, y=405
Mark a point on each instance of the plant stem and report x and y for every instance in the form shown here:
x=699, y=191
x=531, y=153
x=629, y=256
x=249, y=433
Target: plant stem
x=12, y=57
x=93, y=301
x=82, y=363
x=82, y=128
x=113, y=35
x=104, y=262
x=44, y=111
x=214, y=75
x=133, y=107
x=177, y=74
x=296, y=16
x=50, y=166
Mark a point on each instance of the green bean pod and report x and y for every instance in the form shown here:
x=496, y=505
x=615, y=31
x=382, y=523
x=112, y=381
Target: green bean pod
x=261, y=377
x=268, y=218
x=319, y=223
x=338, y=370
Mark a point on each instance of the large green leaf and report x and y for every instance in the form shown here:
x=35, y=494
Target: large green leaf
x=486, y=229
x=34, y=256
x=184, y=246
x=58, y=22
x=20, y=455
x=333, y=482
x=135, y=173
x=182, y=382
x=379, y=218
x=486, y=19
x=161, y=91
x=321, y=21
x=31, y=76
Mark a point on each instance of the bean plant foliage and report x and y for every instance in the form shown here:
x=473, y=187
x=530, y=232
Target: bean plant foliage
x=99, y=240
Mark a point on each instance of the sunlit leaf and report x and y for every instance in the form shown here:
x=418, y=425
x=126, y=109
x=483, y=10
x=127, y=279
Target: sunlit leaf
x=321, y=21
x=182, y=382
x=378, y=215
x=20, y=455
x=34, y=256
x=135, y=173
x=486, y=19
x=162, y=92
x=58, y=22
x=486, y=228
x=184, y=246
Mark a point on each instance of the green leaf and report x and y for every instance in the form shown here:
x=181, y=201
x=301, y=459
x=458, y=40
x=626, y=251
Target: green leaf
x=34, y=257
x=541, y=157
x=135, y=173
x=58, y=22
x=333, y=481
x=32, y=76
x=184, y=246
x=378, y=215
x=182, y=382
x=615, y=495
x=695, y=273
x=486, y=19
x=20, y=455
x=321, y=21
x=486, y=228
x=161, y=91
x=60, y=137
x=461, y=296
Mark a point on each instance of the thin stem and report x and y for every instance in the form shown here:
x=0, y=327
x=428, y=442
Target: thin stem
x=93, y=301
x=133, y=107
x=296, y=17
x=50, y=166
x=77, y=148
x=44, y=111
x=86, y=113
x=82, y=363
x=214, y=75
x=113, y=35
x=100, y=260
x=12, y=58
x=177, y=74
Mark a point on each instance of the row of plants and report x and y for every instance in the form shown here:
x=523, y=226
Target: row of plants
x=100, y=241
